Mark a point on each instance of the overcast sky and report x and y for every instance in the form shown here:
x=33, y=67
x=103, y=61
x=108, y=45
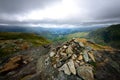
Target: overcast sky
x=59, y=13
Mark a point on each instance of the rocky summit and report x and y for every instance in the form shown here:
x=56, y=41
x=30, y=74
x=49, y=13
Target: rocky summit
x=74, y=58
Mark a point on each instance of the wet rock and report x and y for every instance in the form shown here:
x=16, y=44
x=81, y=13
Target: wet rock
x=72, y=67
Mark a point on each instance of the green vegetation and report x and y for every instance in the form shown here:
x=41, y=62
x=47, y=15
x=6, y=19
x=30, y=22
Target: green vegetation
x=61, y=38
x=77, y=35
x=12, y=42
x=29, y=37
x=107, y=36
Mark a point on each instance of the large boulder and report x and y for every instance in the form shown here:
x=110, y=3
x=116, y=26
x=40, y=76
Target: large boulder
x=86, y=72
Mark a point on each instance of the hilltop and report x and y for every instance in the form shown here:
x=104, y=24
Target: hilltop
x=94, y=61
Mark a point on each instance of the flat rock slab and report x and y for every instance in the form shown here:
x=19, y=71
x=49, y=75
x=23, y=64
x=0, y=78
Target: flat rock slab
x=72, y=67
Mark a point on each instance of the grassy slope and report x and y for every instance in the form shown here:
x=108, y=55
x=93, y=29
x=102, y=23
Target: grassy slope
x=107, y=36
x=30, y=37
x=11, y=42
x=69, y=36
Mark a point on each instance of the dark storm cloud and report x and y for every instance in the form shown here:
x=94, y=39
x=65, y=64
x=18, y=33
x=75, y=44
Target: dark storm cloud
x=21, y=6
x=89, y=12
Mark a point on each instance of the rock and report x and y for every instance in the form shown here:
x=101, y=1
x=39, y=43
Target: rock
x=54, y=66
x=59, y=64
x=69, y=50
x=85, y=56
x=81, y=53
x=89, y=48
x=80, y=57
x=16, y=58
x=82, y=63
x=76, y=64
x=74, y=56
x=64, y=46
x=25, y=62
x=47, y=61
x=65, y=69
x=12, y=64
x=81, y=44
x=52, y=54
x=72, y=67
x=91, y=56
x=86, y=72
x=63, y=54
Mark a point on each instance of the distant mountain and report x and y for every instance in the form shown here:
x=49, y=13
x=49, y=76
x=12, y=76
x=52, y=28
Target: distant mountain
x=41, y=29
x=109, y=35
x=50, y=33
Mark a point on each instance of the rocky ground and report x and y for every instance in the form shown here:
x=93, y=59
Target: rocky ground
x=76, y=59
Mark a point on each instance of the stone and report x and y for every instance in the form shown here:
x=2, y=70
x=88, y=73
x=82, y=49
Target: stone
x=82, y=63
x=64, y=46
x=54, y=66
x=86, y=72
x=74, y=56
x=81, y=53
x=81, y=44
x=25, y=62
x=72, y=67
x=76, y=64
x=89, y=48
x=91, y=56
x=85, y=56
x=80, y=57
x=52, y=54
x=63, y=54
x=69, y=50
x=59, y=64
x=75, y=40
x=47, y=61
x=77, y=61
x=65, y=69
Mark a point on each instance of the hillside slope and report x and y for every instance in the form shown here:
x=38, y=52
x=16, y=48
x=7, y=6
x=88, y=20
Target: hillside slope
x=12, y=42
x=107, y=36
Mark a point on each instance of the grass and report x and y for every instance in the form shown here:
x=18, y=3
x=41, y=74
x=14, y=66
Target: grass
x=77, y=35
x=12, y=42
x=29, y=37
x=70, y=36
